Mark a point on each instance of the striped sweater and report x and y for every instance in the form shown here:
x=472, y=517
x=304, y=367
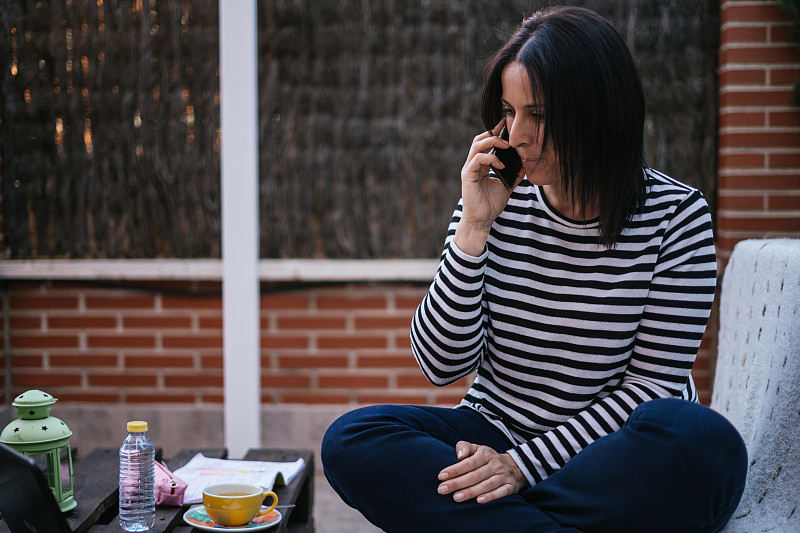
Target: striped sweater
x=569, y=336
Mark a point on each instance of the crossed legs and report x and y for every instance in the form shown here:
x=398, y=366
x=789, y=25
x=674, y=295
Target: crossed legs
x=675, y=467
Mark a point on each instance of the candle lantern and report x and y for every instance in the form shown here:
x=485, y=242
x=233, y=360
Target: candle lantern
x=45, y=439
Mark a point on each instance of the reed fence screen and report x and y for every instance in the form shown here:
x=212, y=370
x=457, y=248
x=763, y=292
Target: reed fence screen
x=110, y=129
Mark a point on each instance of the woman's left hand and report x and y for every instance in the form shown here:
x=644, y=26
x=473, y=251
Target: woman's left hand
x=481, y=473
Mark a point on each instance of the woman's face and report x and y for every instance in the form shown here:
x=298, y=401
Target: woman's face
x=525, y=124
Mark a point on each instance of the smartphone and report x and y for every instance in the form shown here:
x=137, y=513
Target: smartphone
x=510, y=159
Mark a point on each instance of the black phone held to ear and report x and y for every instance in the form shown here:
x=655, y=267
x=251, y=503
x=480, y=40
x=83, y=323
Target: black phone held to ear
x=510, y=159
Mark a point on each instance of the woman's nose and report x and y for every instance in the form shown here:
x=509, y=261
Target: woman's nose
x=516, y=135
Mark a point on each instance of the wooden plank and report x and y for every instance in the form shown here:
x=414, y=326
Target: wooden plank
x=300, y=491
x=96, y=488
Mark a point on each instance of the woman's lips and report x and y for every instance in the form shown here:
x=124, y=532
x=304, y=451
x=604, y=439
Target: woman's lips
x=530, y=162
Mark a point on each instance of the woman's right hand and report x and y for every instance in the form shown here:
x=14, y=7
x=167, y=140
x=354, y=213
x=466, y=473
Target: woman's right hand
x=483, y=197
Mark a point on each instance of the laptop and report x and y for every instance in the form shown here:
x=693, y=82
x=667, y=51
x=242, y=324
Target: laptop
x=27, y=504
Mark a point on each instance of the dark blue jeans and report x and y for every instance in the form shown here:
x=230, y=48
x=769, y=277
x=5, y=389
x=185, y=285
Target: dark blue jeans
x=674, y=467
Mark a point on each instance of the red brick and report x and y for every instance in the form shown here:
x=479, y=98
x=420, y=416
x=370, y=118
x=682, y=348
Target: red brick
x=156, y=361
x=282, y=380
x=351, y=342
x=784, y=76
x=44, y=379
x=409, y=302
x=766, y=12
x=313, y=322
x=383, y=322
x=156, y=322
x=125, y=379
x=448, y=399
x=780, y=33
x=704, y=397
x=121, y=341
x=284, y=341
x=176, y=285
x=402, y=341
x=416, y=380
x=702, y=363
x=759, y=224
x=784, y=119
x=702, y=379
x=705, y=342
x=760, y=140
x=728, y=119
x=724, y=244
x=120, y=302
x=405, y=360
x=312, y=361
x=741, y=161
x=745, y=97
x=347, y=301
x=191, y=341
x=390, y=398
x=743, y=34
x=25, y=322
x=88, y=397
x=758, y=181
x=194, y=380
x=784, y=160
x=353, y=381
x=743, y=76
x=160, y=397
x=208, y=286
x=210, y=397
x=193, y=303
x=83, y=360
x=81, y=321
x=783, y=201
x=29, y=302
x=43, y=340
x=741, y=201
x=210, y=322
x=211, y=361
x=285, y=301
x=27, y=361
x=314, y=398
x=768, y=54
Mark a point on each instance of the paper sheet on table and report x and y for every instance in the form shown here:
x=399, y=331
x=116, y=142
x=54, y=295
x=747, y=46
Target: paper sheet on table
x=201, y=472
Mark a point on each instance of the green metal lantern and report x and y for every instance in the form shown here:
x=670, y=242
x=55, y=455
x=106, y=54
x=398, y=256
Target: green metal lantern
x=45, y=439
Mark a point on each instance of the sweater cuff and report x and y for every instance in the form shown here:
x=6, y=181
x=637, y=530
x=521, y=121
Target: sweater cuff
x=514, y=453
x=478, y=261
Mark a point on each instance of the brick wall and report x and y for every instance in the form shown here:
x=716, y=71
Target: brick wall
x=319, y=344
x=344, y=344
x=759, y=135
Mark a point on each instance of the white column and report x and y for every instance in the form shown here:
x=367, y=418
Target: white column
x=240, y=232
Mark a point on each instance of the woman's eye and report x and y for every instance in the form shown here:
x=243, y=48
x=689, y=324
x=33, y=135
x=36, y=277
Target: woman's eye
x=507, y=111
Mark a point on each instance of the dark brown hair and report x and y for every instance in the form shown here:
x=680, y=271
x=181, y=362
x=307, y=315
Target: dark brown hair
x=593, y=102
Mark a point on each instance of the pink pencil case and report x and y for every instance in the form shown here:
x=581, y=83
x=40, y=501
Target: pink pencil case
x=169, y=489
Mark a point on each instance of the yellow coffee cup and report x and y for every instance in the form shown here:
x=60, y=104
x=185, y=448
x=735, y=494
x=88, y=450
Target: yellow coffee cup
x=235, y=504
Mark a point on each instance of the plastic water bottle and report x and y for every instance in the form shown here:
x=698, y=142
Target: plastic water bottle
x=137, y=499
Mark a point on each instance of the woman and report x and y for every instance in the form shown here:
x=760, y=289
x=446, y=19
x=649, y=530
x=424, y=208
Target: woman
x=580, y=297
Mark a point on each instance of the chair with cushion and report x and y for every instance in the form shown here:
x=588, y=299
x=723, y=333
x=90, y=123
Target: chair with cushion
x=757, y=380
